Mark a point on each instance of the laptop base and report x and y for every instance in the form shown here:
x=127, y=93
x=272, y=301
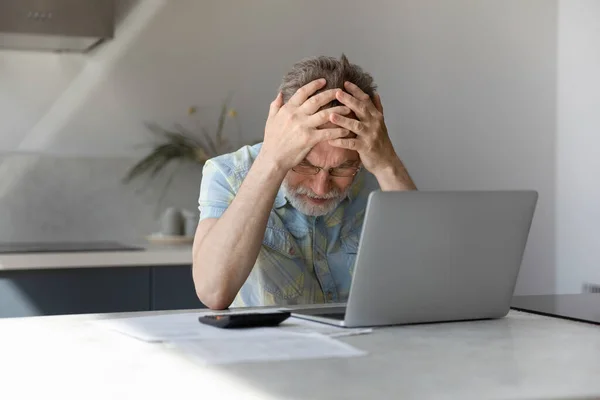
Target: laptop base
x=328, y=315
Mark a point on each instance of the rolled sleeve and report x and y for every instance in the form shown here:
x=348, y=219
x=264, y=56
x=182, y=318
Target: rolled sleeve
x=216, y=190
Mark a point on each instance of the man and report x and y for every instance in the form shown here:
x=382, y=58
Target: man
x=280, y=221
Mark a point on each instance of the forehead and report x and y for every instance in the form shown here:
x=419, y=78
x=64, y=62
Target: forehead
x=326, y=155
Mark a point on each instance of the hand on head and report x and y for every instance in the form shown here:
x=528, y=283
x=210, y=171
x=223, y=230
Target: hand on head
x=294, y=128
x=372, y=141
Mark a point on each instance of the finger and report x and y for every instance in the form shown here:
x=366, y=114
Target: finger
x=356, y=91
x=322, y=117
x=314, y=103
x=377, y=102
x=306, y=91
x=276, y=105
x=345, y=143
x=351, y=124
x=360, y=108
x=320, y=135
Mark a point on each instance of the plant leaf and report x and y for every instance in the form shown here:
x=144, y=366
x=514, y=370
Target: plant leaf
x=155, y=128
x=211, y=143
x=157, y=159
x=142, y=166
x=188, y=136
x=222, y=117
x=200, y=156
x=182, y=145
x=158, y=166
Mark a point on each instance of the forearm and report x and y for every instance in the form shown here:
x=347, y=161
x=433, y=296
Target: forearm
x=395, y=177
x=225, y=257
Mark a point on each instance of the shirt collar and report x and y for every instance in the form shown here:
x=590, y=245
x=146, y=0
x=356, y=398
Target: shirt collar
x=280, y=199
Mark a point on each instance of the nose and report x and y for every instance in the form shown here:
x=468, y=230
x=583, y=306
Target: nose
x=321, y=184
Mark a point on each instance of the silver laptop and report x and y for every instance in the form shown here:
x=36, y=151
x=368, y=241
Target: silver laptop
x=428, y=256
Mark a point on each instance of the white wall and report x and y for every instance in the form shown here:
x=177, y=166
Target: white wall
x=29, y=85
x=578, y=145
x=468, y=86
x=47, y=98
x=472, y=96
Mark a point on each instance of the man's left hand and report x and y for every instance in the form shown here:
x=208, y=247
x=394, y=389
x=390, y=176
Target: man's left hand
x=372, y=141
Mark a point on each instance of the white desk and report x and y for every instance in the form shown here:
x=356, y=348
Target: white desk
x=523, y=356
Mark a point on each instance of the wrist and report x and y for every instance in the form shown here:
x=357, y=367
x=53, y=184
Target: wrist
x=389, y=169
x=270, y=166
x=394, y=176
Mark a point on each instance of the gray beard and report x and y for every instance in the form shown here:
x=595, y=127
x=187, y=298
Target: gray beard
x=293, y=195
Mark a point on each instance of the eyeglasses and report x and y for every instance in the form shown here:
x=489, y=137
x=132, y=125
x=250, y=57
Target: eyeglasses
x=342, y=172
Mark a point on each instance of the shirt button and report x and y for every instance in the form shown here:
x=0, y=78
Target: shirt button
x=329, y=296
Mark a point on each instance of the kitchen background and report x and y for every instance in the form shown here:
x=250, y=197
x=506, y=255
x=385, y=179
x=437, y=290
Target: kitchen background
x=479, y=94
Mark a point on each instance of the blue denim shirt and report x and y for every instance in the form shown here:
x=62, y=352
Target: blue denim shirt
x=303, y=259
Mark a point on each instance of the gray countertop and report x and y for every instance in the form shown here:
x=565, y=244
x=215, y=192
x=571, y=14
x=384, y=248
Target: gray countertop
x=152, y=255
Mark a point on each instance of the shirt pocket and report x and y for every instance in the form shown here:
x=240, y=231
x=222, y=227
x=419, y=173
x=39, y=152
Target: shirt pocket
x=280, y=265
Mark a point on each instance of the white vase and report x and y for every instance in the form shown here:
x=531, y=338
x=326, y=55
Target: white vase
x=171, y=222
x=190, y=223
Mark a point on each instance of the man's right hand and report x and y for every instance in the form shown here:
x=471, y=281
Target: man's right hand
x=292, y=129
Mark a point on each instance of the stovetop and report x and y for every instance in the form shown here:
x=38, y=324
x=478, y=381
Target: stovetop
x=59, y=247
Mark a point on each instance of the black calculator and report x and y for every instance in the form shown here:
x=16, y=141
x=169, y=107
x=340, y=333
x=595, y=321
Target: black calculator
x=245, y=320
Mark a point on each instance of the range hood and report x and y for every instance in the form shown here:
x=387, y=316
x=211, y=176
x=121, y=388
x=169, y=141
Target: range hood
x=55, y=25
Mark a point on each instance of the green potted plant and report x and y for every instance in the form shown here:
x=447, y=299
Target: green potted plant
x=184, y=146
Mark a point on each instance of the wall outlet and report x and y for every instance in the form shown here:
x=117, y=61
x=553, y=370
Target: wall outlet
x=591, y=288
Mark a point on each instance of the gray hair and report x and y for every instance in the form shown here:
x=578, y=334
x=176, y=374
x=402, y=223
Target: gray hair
x=336, y=72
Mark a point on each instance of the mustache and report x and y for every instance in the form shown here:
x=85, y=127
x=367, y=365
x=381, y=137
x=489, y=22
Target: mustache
x=332, y=194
